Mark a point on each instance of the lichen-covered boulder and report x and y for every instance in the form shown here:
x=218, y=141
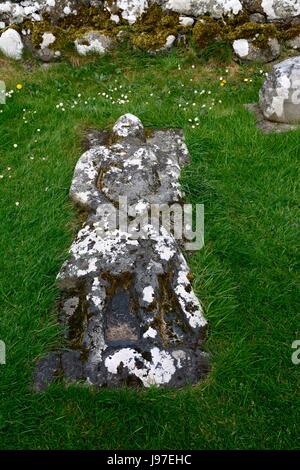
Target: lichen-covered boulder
x=11, y=44
x=130, y=10
x=216, y=8
x=130, y=313
x=34, y=10
x=279, y=97
x=93, y=43
x=248, y=50
x=280, y=9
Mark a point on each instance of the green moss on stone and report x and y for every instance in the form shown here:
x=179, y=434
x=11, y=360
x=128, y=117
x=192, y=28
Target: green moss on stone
x=152, y=29
x=260, y=33
x=290, y=33
x=206, y=31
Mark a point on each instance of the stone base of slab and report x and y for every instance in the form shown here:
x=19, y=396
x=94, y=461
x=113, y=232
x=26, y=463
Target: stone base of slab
x=268, y=127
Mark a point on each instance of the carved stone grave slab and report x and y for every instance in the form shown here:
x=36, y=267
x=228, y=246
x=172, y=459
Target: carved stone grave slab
x=127, y=303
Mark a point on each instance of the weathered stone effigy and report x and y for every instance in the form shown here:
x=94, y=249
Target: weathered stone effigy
x=127, y=302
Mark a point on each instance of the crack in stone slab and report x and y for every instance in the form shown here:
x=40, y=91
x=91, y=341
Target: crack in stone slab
x=129, y=309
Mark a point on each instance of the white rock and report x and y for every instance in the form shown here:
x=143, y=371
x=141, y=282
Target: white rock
x=115, y=18
x=170, y=41
x=47, y=39
x=186, y=21
x=2, y=25
x=241, y=47
x=67, y=10
x=11, y=44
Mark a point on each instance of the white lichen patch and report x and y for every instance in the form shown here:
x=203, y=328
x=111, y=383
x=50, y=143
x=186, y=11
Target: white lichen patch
x=188, y=301
x=157, y=372
x=148, y=294
x=150, y=333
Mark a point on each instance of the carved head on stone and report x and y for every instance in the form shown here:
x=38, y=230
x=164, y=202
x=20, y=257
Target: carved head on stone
x=127, y=126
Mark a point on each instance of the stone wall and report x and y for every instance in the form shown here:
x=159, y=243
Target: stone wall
x=130, y=10
x=256, y=29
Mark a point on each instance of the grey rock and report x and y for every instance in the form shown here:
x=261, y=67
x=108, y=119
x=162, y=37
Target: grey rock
x=127, y=301
x=294, y=43
x=93, y=43
x=257, y=18
x=279, y=96
x=47, y=371
x=48, y=55
x=247, y=51
x=295, y=22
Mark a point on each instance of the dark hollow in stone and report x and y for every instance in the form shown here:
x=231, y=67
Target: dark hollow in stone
x=127, y=304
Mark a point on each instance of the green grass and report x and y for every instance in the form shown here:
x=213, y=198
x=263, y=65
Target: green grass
x=246, y=276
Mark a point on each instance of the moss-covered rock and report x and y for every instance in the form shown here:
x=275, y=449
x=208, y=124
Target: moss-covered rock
x=151, y=31
x=257, y=32
x=206, y=31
